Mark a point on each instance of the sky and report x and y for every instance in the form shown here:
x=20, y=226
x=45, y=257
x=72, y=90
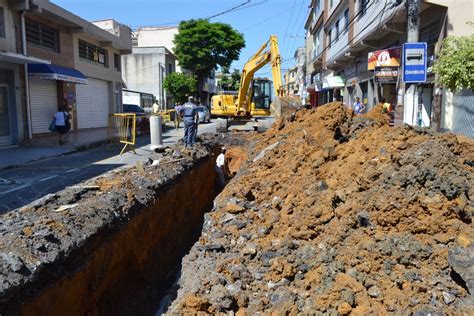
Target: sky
x=256, y=20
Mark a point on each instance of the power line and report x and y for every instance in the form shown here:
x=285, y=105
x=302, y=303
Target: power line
x=228, y=10
x=288, y=25
x=294, y=25
x=269, y=18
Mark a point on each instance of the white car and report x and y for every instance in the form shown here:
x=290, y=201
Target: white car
x=204, y=114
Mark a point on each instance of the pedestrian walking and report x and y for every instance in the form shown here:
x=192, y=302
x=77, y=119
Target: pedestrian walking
x=220, y=167
x=177, y=116
x=190, y=116
x=62, y=123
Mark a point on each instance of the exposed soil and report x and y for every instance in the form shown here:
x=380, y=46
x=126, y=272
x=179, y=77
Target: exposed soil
x=339, y=214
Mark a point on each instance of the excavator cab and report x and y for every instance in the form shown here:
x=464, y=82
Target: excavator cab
x=261, y=90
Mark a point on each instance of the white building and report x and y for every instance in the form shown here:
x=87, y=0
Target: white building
x=146, y=69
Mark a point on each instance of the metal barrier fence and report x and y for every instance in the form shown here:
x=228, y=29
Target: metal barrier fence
x=167, y=115
x=123, y=129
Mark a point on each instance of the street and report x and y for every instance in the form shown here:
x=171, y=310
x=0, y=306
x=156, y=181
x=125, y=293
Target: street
x=28, y=182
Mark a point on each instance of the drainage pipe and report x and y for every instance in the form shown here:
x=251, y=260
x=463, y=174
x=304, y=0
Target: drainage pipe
x=27, y=83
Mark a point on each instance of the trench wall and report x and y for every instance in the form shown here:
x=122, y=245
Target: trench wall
x=121, y=270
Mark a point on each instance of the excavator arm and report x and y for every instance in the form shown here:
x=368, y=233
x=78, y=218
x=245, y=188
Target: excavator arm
x=268, y=53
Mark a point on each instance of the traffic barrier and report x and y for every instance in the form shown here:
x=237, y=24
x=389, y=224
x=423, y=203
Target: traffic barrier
x=123, y=129
x=166, y=115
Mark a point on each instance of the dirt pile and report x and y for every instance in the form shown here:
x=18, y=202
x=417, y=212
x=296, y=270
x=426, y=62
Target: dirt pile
x=339, y=214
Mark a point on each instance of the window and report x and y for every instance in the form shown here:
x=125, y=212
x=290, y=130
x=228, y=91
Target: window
x=2, y=23
x=362, y=7
x=337, y=30
x=93, y=53
x=117, y=62
x=42, y=35
x=346, y=19
x=317, y=44
x=317, y=9
x=170, y=68
x=329, y=38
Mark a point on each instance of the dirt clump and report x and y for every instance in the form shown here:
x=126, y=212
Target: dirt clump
x=336, y=213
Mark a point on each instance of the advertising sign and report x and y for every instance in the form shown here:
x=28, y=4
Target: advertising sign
x=387, y=74
x=414, y=62
x=384, y=58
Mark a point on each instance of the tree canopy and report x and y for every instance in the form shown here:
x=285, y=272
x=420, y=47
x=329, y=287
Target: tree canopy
x=180, y=86
x=455, y=63
x=231, y=81
x=201, y=46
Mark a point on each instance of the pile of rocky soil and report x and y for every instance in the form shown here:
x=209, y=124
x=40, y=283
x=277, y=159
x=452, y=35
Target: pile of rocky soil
x=335, y=213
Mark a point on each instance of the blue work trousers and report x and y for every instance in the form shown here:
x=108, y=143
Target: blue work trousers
x=189, y=128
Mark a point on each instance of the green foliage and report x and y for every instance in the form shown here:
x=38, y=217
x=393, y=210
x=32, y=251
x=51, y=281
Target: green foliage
x=201, y=46
x=455, y=63
x=231, y=82
x=180, y=86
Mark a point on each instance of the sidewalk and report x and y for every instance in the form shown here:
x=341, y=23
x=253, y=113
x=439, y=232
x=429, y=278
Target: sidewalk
x=48, y=146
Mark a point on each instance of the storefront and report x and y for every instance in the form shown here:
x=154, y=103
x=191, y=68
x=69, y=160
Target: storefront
x=49, y=86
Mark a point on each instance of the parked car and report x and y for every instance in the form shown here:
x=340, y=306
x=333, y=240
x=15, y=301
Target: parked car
x=204, y=114
x=133, y=108
x=143, y=123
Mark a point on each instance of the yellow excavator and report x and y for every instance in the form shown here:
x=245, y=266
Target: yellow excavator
x=254, y=97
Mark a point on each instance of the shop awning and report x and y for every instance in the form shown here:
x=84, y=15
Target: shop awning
x=333, y=82
x=55, y=72
x=21, y=59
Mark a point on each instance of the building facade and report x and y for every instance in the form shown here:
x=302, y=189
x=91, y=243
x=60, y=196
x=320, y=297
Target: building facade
x=146, y=69
x=353, y=50
x=52, y=58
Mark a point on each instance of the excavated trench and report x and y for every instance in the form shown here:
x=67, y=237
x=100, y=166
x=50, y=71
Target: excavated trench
x=126, y=260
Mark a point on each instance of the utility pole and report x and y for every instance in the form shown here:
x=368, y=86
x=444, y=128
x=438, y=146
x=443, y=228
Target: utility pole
x=413, y=29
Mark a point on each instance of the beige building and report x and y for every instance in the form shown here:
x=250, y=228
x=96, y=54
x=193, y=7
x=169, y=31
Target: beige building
x=89, y=58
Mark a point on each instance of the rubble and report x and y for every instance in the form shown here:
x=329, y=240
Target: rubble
x=339, y=214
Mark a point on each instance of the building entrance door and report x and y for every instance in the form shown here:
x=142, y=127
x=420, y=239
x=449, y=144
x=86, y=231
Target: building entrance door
x=5, y=124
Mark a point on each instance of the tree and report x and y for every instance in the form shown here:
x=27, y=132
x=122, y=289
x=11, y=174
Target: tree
x=202, y=46
x=455, y=63
x=231, y=81
x=180, y=86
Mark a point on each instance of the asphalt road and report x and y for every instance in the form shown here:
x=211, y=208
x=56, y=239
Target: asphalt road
x=24, y=184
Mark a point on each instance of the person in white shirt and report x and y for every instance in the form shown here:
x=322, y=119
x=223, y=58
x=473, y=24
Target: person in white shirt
x=61, y=120
x=155, y=108
x=220, y=165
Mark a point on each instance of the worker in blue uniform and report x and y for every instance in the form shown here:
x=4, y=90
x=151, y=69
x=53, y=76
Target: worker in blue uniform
x=190, y=118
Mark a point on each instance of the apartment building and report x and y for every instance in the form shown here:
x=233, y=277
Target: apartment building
x=13, y=114
x=52, y=58
x=348, y=40
x=290, y=81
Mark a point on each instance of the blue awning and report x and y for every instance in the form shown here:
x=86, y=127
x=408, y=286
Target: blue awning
x=55, y=72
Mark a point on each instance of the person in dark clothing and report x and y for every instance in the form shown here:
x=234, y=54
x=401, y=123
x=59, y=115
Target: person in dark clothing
x=189, y=113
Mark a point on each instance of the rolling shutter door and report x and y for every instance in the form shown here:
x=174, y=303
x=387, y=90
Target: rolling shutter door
x=92, y=104
x=83, y=99
x=44, y=103
x=100, y=103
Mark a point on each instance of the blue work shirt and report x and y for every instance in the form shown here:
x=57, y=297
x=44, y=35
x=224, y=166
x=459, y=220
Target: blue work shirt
x=188, y=110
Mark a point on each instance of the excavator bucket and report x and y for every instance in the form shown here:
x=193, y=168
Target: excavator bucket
x=284, y=106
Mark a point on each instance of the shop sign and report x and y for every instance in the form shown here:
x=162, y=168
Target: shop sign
x=383, y=58
x=387, y=74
